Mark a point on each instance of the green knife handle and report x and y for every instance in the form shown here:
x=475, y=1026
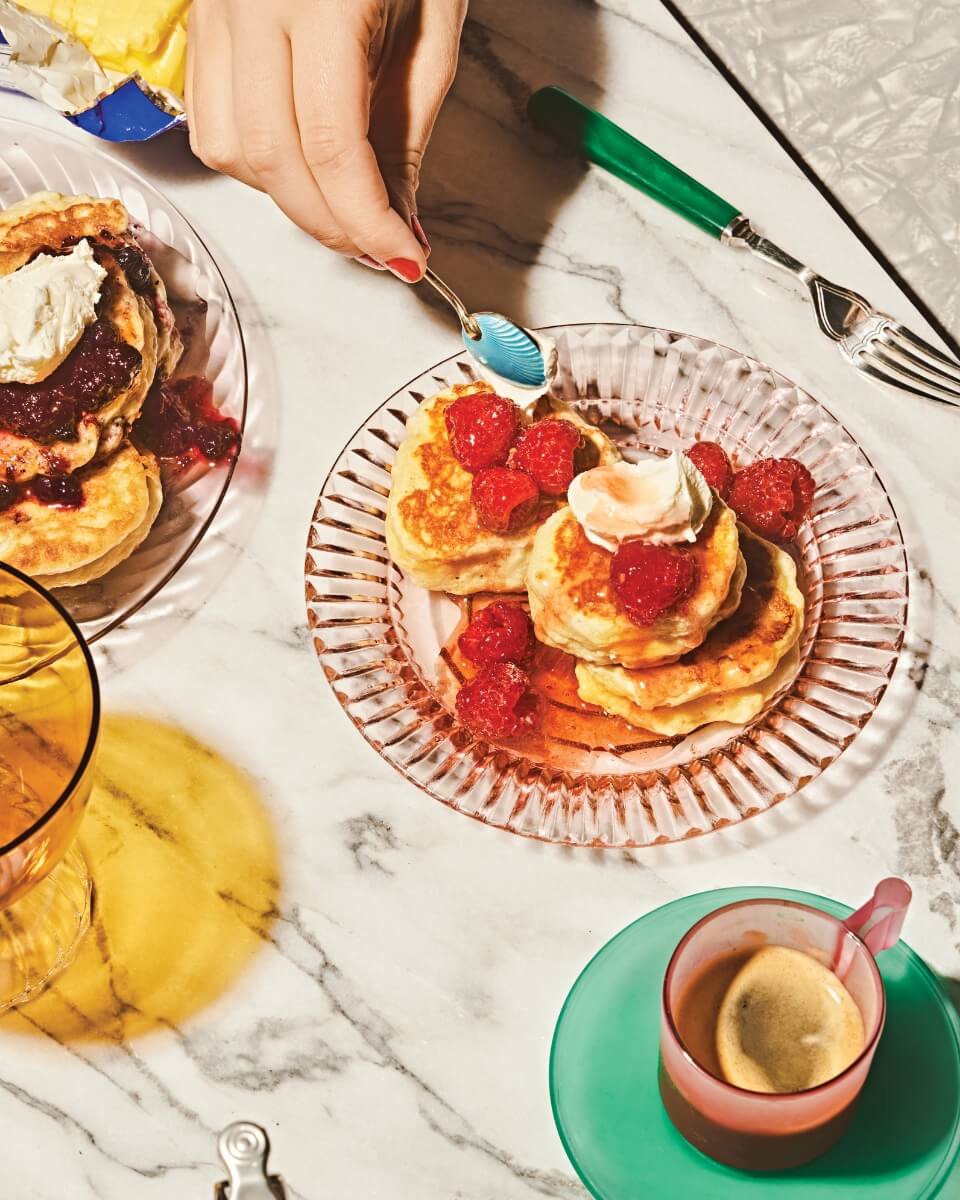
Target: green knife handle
x=606, y=144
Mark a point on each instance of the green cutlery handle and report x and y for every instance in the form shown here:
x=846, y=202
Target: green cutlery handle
x=606, y=144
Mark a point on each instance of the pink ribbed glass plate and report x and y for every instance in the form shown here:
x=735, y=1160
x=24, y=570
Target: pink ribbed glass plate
x=379, y=637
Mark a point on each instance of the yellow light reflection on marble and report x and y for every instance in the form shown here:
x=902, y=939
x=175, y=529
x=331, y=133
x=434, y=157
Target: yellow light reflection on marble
x=186, y=871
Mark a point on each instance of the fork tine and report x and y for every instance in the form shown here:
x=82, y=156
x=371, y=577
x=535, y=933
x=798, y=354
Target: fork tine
x=942, y=360
x=895, y=375
x=920, y=366
x=948, y=376
x=927, y=377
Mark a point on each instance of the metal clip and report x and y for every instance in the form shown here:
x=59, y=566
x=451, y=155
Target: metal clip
x=243, y=1148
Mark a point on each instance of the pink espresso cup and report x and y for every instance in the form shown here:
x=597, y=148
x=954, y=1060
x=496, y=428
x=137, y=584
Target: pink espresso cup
x=761, y=1131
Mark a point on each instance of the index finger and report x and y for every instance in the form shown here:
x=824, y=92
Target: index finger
x=331, y=88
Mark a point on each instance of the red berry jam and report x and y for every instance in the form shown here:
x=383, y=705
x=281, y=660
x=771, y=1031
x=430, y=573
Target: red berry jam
x=63, y=491
x=133, y=262
x=181, y=421
x=57, y=491
x=97, y=369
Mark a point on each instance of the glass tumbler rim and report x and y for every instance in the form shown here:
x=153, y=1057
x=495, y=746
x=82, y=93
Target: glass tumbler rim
x=94, y=730
x=771, y=1097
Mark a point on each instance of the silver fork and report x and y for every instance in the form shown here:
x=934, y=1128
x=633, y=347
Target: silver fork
x=874, y=343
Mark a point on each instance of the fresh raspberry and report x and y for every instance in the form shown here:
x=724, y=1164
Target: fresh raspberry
x=505, y=499
x=546, y=450
x=650, y=580
x=773, y=496
x=481, y=428
x=498, y=703
x=501, y=632
x=712, y=462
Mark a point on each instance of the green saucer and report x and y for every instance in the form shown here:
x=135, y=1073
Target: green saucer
x=905, y=1134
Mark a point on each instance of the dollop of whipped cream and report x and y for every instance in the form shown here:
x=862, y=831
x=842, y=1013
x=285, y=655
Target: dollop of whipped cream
x=525, y=398
x=44, y=308
x=659, y=500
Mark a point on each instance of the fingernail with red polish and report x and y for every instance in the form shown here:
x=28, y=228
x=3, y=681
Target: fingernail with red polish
x=369, y=262
x=406, y=269
x=418, y=233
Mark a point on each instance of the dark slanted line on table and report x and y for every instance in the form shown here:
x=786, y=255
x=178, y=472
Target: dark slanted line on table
x=823, y=188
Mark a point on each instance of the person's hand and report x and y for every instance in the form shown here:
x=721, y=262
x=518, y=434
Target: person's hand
x=327, y=105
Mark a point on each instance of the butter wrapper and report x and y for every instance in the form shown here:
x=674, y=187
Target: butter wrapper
x=42, y=60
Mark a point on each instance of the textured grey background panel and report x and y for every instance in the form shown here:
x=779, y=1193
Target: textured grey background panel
x=869, y=92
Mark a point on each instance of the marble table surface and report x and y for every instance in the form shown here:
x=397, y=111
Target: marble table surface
x=289, y=932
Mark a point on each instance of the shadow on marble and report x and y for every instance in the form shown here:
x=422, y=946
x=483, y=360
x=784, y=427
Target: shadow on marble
x=492, y=186
x=187, y=876
x=164, y=158
x=224, y=543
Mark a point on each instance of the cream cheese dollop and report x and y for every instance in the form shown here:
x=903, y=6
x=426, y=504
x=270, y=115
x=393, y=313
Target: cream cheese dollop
x=660, y=500
x=525, y=398
x=44, y=308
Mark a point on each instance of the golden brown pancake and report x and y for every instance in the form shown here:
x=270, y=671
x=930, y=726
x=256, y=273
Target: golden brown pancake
x=432, y=529
x=575, y=609
x=169, y=342
x=22, y=458
x=48, y=220
x=744, y=660
x=132, y=317
x=63, y=547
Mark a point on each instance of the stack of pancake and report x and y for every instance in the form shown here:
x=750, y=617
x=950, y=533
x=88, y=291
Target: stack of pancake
x=432, y=527
x=65, y=546
x=719, y=656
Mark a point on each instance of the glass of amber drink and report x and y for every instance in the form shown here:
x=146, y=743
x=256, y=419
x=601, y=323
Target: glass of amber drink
x=49, y=722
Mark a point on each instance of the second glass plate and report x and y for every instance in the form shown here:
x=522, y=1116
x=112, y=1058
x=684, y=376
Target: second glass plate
x=33, y=159
x=380, y=638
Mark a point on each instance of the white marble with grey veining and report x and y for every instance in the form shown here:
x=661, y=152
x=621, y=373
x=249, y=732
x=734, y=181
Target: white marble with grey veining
x=393, y=1035
x=869, y=93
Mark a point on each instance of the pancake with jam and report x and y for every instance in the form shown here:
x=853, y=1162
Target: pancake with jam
x=109, y=510
x=575, y=609
x=432, y=529
x=88, y=401
x=744, y=660
x=145, y=280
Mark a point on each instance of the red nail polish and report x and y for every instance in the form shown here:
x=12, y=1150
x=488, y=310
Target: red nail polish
x=418, y=233
x=406, y=268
